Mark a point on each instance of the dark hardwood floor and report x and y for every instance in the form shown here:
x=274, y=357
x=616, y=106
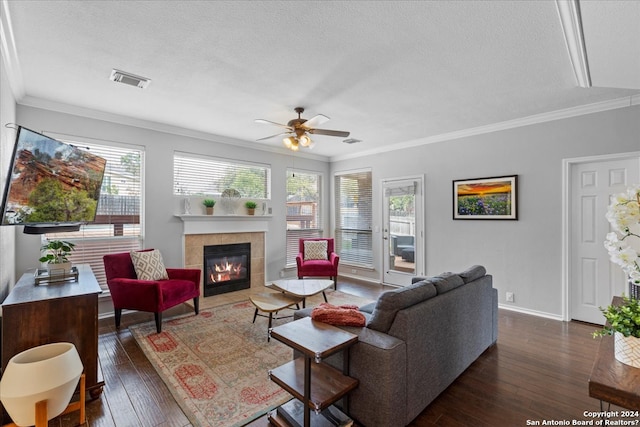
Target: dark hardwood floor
x=537, y=371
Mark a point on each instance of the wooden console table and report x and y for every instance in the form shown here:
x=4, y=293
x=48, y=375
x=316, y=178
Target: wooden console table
x=34, y=315
x=611, y=380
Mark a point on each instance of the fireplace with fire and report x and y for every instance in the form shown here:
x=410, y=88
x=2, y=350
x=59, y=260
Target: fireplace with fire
x=227, y=268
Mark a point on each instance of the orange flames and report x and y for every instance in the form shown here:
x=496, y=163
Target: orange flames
x=226, y=271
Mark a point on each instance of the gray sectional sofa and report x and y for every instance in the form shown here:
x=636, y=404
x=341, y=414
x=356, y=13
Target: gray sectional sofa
x=417, y=341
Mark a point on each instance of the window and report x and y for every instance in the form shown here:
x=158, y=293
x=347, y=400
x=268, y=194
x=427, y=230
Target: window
x=118, y=223
x=353, y=199
x=201, y=175
x=304, y=218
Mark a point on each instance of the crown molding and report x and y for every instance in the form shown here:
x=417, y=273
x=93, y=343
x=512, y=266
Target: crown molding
x=581, y=110
x=10, y=53
x=30, y=101
x=627, y=101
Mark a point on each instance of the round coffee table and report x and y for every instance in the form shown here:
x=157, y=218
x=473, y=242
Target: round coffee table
x=302, y=288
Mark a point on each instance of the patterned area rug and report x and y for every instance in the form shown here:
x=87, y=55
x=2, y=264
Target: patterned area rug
x=216, y=363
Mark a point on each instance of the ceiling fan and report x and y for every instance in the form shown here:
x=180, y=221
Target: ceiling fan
x=298, y=130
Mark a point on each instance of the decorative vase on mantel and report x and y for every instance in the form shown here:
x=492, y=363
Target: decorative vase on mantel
x=627, y=349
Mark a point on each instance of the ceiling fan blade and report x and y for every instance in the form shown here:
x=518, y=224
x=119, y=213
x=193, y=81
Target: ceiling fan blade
x=272, y=136
x=329, y=132
x=315, y=121
x=273, y=123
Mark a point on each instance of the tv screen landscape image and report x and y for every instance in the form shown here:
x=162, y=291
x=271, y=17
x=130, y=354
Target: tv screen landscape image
x=50, y=182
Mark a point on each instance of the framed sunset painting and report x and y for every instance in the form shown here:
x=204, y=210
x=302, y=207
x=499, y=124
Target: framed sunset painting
x=486, y=198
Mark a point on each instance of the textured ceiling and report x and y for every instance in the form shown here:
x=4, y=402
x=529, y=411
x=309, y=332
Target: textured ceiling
x=389, y=72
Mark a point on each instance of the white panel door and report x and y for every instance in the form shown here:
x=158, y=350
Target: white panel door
x=593, y=279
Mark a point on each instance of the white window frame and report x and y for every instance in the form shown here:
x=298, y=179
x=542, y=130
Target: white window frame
x=200, y=179
x=293, y=235
x=361, y=232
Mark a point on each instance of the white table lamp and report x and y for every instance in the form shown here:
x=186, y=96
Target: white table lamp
x=44, y=377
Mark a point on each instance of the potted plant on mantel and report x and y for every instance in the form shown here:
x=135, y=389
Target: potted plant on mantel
x=208, y=205
x=623, y=321
x=251, y=207
x=57, y=258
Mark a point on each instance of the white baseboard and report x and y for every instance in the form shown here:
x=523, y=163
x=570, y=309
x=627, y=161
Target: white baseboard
x=531, y=312
x=360, y=279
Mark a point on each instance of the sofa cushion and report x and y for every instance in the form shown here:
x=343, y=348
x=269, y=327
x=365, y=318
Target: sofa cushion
x=390, y=302
x=446, y=282
x=315, y=249
x=149, y=265
x=473, y=273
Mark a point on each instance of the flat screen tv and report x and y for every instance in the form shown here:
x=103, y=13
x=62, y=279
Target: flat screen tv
x=51, y=186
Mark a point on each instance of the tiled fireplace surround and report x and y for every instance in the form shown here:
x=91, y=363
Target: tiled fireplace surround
x=200, y=231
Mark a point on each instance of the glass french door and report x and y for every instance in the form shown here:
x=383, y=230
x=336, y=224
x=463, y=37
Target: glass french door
x=403, y=237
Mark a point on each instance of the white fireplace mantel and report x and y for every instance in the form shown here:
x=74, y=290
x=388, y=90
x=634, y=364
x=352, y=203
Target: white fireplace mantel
x=213, y=224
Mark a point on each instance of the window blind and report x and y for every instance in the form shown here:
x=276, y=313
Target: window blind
x=201, y=175
x=353, y=218
x=304, y=210
x=118, y=223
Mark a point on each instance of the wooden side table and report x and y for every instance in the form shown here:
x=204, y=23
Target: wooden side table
x=316, y=385
x=34, y=315
x=611, y=380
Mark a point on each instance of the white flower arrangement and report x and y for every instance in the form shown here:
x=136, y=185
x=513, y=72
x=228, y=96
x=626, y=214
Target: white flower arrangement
x=623, y=243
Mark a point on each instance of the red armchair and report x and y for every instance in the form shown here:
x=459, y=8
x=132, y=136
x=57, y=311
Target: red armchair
x=325, y=267
x=127, y=292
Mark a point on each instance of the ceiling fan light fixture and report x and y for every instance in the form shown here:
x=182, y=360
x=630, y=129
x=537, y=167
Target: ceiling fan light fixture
x=305, y=141
x=298, y=130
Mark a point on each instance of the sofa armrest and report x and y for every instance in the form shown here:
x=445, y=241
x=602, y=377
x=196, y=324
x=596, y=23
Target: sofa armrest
x=135, y=294
x=191, y=274
x=334, y=258
x=299, y=259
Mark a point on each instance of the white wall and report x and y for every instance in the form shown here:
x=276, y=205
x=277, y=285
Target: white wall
x=7, y=136
x=162, y=229
x=524, y=256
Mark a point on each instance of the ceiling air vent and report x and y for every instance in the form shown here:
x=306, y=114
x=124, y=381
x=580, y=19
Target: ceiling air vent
x=351, y=141
x=129, y=79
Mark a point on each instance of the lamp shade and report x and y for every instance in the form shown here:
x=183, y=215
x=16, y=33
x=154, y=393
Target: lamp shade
x=49, y=372
x=305, y=141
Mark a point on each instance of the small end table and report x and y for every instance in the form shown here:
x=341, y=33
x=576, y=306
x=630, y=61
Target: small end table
x=272, y=302
x=302, y=288
x=316, y=385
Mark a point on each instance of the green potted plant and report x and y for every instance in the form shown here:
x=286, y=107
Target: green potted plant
x=209, y=204
x=251, y=207
x=623, y=320
x=57, y=257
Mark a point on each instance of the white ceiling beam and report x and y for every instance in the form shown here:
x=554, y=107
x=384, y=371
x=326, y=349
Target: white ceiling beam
x=569, y=11
x=10, y=54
